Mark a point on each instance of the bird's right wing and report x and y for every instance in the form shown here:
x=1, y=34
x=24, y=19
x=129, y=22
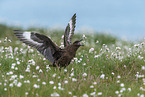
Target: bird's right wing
x=41, y=42
x=69, y=31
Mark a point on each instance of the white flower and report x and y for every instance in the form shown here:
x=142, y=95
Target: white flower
x=21, y=76
x=16, y=68
x=55, y=94
x=44, y=83
x=59, y=84
x=91, y=50
x=11, y=84
x=112, y=73
x=69, y=92
x=118, y=76
x=99, y=93
x=84, y=74
x=85, y=95
x=54, y=87
x=122, y=84
x=139, y=57
x=102, y=76
x=129, y=89
x=37, y=67
x=96, y=56
x=36, y=86
x=95, y=83
x=72, y=74
x=116, y=92
x=143, y=67
x=40, y=70
x=91, y=86
x=66, y=82
x=18, y=62
x=19, y=84
x=51, y=82
x=118, y=48
x=73, y=79
x=26, y=93
x=97, y=41
x=93, y=93
x=5, y=89
x=54, y=75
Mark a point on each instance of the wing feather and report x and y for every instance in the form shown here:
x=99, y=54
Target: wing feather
x=69, y=31
x=41, y=42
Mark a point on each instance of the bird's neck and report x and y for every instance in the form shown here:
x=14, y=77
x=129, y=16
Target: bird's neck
x=72, y=50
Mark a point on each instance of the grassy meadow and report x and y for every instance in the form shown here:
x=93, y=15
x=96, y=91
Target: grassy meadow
x=104, y=67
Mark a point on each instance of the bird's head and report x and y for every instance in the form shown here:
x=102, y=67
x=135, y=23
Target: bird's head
x=78, y=43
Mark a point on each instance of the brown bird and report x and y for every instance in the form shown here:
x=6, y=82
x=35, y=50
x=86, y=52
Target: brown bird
x=57, y=56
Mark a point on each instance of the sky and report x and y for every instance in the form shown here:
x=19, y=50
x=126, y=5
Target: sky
x=122, y=18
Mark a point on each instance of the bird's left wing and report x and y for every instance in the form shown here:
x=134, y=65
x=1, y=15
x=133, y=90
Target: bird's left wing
x=41, y=42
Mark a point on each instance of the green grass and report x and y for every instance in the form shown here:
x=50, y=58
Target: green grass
x=110, y=67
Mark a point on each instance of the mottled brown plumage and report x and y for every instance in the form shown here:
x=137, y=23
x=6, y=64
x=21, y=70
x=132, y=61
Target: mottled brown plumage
x=57, y=56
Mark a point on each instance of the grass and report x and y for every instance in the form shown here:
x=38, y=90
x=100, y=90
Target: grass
x=105, y=66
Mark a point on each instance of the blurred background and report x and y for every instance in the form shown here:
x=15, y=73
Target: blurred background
x=121, y=18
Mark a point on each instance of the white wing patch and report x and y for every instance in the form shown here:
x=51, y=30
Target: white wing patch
x=27, y=36
x=71, y=28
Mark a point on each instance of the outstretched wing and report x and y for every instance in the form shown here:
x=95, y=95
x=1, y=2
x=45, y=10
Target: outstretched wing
x=41, y=42
x=69, y=31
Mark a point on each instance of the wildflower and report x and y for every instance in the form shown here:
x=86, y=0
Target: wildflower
x=95, y=83
x=38, y=80
x=85, y=95
x=118, y=48
x=91, y=50
x=73, y=79
x=91, y=86
x=116, y=92
x=84, y=64
x=143, y=67
x=19, y=84
x=122, y=84
x=65, y=70
x=102, y=76
x=139, y=57
x=97, y=41
x=118, y=76
x=69, y=92
x=36, y=86
x=44, y=83
x=5, y=89
x=66, y=82
x=40, y=71
x=93, y=93
x=16, y=68
x=129, y=89
x=85, y=74
x=37, y=67
x=11, y=84
x=72, y=74
x=99, y=93
x=18, y=62
x=51, y=82
x=21, y=76
x=96, y=56
x=54, y=87
x=112, y=73
x=136, y=45
x=55, y=94
x=26, y=93
x=54, y=75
